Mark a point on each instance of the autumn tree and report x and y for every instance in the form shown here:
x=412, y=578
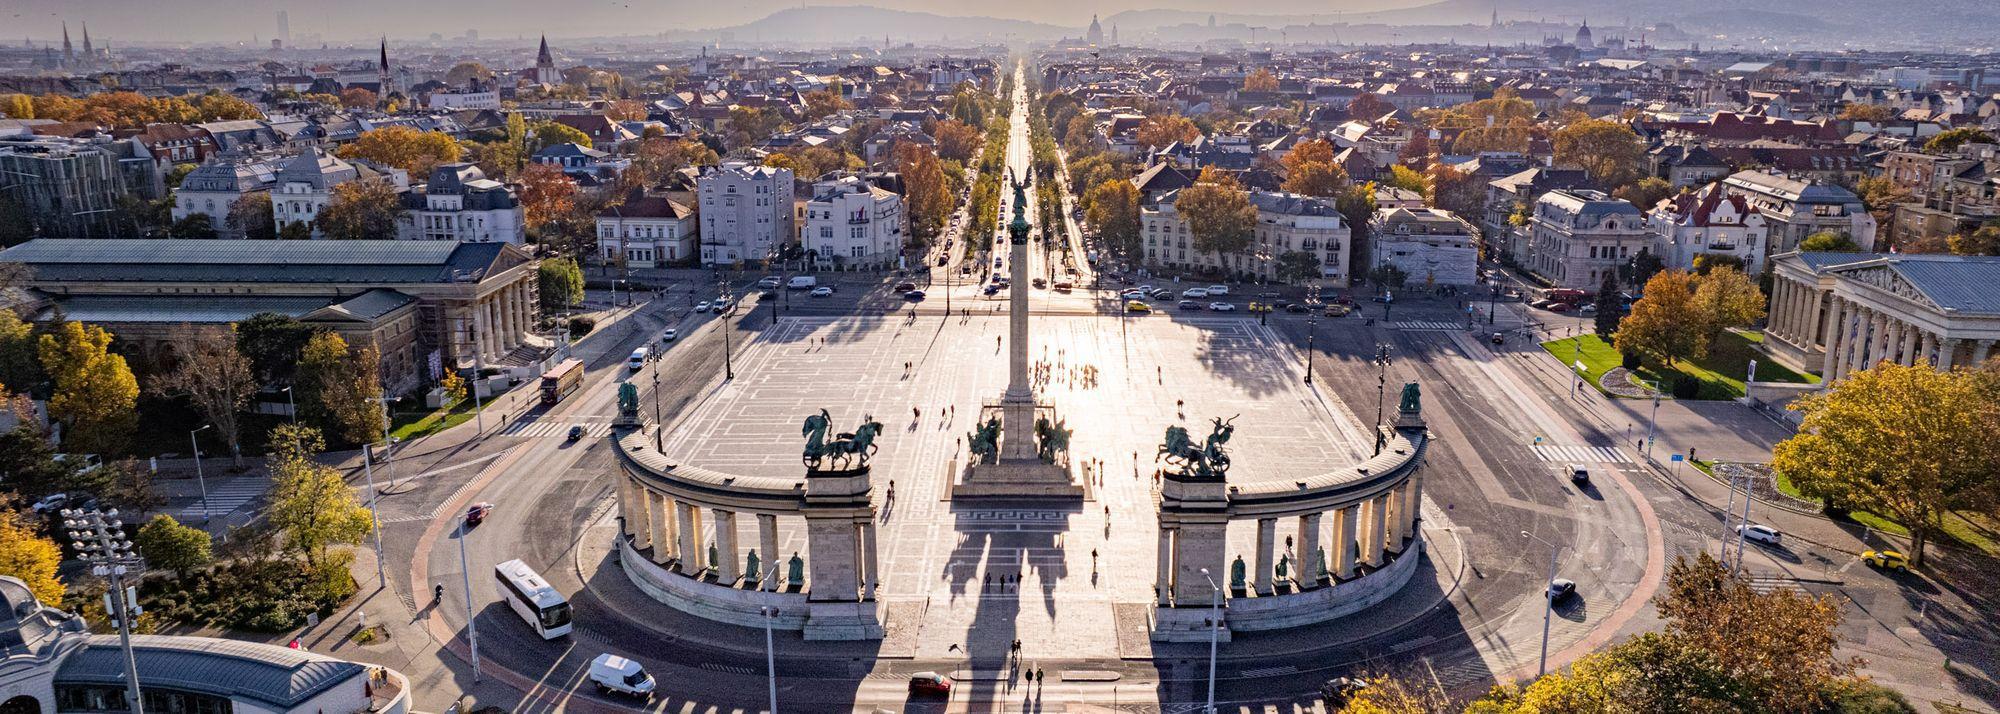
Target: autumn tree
x=1777, y=645
x=1368, y=107
x=822, y=103
x=18, y=106
x=1261, y=80
x=193, y=226
x=1911, y=443
x=956, y=140
x=405, y=148
x=1114, y=212
x=214, y=376
x=1606, y=150
x=749, y=125
x=1218, y=213
x=926, y=191
x=310, y=502
x=546, y=194
x=1984, y=240
x=20, y=361
x=338, y=388
x=1645, y=193
x=654, y=159
x=1665, y=324
x=361, y=210
x=1877, y=113
x=165, y=543
x=1725, y=298
x=1310, y=169
x=1828, y=242
x=1163, y=129
x=465, y=73
x=544, y=134
x=359, y=98
x=1460, y=192
x=560, y=281
x=1408, y=179
x=216, y=106
x=1949, y=140
x=25, y=554
x=250, y=215
x=95, y=393
x=626, y=110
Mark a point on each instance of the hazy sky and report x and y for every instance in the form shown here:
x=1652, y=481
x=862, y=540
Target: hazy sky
x=237, y=20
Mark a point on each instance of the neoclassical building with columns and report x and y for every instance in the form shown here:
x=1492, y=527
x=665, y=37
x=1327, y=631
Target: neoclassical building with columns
x=1835, y=313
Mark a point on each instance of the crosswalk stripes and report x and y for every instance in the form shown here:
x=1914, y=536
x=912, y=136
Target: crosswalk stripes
x=1766, y=585
x=229, y=497
x=545, y=429
x=1428, y=325
x=1559, y=453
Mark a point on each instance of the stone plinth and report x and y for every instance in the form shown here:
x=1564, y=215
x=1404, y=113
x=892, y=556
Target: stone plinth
x=1017, y=479
x=1189, y=624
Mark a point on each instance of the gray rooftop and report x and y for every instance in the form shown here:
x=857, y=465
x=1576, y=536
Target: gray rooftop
x=1957, y=283
x=236, y=261
x=277, y=676
x=190, y=309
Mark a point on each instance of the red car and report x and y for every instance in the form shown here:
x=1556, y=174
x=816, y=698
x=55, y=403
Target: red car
x=477, y=513
x=1559, y=307
x=929, y=683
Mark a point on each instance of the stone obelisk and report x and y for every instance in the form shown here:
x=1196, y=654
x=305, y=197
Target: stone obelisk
x=1018, y=470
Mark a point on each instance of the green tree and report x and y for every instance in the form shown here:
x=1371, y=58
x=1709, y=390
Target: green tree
x=25, y=554
x=1607, y=150
x=165, y=543
x=1643, y=267
x=1387, y=277
x=1911, y=443
x=1665, y=324
x=361, y=210
x=1608, y=303
x=310, y=502
x=194, y=226
x=213, y=374
x=295, y=230
x=95, y=394
x=1949, y=140
x=1828, y=242
x=272, y=342
x=560, y=282
x=338, y=388
x=1297, y=266
x=1645, y=193
x=1726, y=298
x=464, y=73
x=1114, y=212
x=1218, y=214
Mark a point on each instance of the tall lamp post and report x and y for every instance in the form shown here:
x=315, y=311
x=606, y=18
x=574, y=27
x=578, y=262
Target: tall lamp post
x=1214, y=633
x=1312, y=326
x=99, y=539
x=770, y=657
x=728, y=364
x=292, y=403
x=659, y=427
x=471, y=625
x=200, y=480
x=1549, y=607
x=1381, y=388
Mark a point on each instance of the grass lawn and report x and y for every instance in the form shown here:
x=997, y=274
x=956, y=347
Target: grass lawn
x=1720, y=373
x=1971, y=529
x=410, y=420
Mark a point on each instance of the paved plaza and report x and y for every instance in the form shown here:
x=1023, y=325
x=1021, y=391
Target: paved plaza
x=1056, y=577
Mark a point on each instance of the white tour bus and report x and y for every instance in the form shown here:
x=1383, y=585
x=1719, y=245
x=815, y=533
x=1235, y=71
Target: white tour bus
x=533, y=599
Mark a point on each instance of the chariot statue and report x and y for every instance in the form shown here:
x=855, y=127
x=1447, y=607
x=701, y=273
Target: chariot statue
x=1412, y=398
x=984, y=442
x=628, y=400
x=1051, y=439
x=1203, y=461
x=846, y=451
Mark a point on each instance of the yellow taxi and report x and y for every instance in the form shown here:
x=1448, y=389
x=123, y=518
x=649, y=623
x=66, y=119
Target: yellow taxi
x=1137, y=306
x=1886, y=560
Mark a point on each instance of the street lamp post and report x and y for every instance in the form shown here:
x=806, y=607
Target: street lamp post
x=1381, y=389
x=99, y=539
x=1312, y=326
x=471, y=625
x=1214, y=634
x=770, y=657
x=659, y=427
x=1652, y=420
x=728, y=363
x=199, y=479
x=1549, y=606
x=374, y=521
x=292, y=403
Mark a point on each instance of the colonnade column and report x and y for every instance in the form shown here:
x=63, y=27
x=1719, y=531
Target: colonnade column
x=1163, y=580
x=1911, y=338
x=1830, y=327
x=1267, y=533
x=1413, y=503
x=1781, y=309
x=1928, y=355
x=1878, y=346
x=629, y=507
x=1948, y=356
x=767, y=540
x=726, y=565
x=688, y=518
x=1979, y=351
x=1378, y=527
x=641, y=517
x=661, y=518
x=871, y=576
x=1348, y=516
x=1309, y=562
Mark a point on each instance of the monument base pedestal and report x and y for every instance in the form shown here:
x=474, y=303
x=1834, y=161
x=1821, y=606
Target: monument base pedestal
x=1189, y=624
x=1016, y=479
x=843, y=621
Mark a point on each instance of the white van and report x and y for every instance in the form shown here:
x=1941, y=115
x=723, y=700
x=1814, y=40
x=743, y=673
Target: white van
x=803, y=282
x=612, y=673
x=637, y=361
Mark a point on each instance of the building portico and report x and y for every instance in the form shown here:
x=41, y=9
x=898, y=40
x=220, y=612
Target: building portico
x=1837, y=313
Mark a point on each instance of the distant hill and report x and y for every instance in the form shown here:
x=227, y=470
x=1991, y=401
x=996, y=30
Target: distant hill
x=868, y=25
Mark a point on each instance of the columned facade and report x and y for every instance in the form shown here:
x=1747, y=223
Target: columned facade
x=1839, y=313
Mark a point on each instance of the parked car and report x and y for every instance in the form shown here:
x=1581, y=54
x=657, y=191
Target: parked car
x=1137, y=306
x=822, y=291
x=477, y=513
x=1380, y=298
x=1063, y=286
x=1336, y=311
x=1559, y=307
x=1338, y=691
x=1039, y=284
x=1761, y=533
x=612, y=673
x=1587, y=310
x=1161, y=293
x=1299, y=308
x=930, y=683
x=990, y=290
x=769, y=281
x=1886, y=560
x=1222, y=307
x=1188, y=305
x=1499, y=338
x=1218, y=290
x=51, y=502
x=1132, y=295
x=1561, y=589
x=1196, y=293
x=1579, y=475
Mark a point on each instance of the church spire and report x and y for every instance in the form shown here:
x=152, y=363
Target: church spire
x=87, y=52
x=69, y=52
x=542, y=58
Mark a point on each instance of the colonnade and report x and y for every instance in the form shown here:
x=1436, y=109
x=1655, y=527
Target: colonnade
x=1364, y=534
x=702, y=541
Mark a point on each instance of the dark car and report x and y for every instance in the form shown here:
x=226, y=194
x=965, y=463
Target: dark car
x=1188, y=305
x=1561, y=589
x=905, y=287
x=913, y=295
x=1499, y=338
x=1297, y=307
x=930, y=683
x=1379, y=298
x=990, y=289
x=477, y=513
x=576, y=432
x=1337, y=691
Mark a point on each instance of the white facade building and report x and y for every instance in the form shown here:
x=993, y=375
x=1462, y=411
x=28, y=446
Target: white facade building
x=1577, y=236
x=461, y=204
x=305, y=185
x=212, y=188
x=746, y=211
x=1709, y=221
x=851, y=223
x=1430, y=246
x=478, y=99
x=647, y=231
x=1794, y=209
x=1286, y=222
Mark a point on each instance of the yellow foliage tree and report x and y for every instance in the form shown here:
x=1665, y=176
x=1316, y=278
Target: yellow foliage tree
x=1665, y=325
x=405, y=148
x=95, y=392
x=25, y=554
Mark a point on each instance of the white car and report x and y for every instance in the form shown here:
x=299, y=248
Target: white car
x=701, y=306
x=1222, y=306
x=670, y=335
x=1194, y=293
x=1761, y=533
x=51, y=502
x=1218, y=290
x=612, y=673
x=769, y=281
x=821, y=291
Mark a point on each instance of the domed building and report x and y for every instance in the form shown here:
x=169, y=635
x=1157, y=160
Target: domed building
x=1583, y=41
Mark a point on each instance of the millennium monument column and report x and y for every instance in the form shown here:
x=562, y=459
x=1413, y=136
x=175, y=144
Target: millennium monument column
x=1019, y=449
